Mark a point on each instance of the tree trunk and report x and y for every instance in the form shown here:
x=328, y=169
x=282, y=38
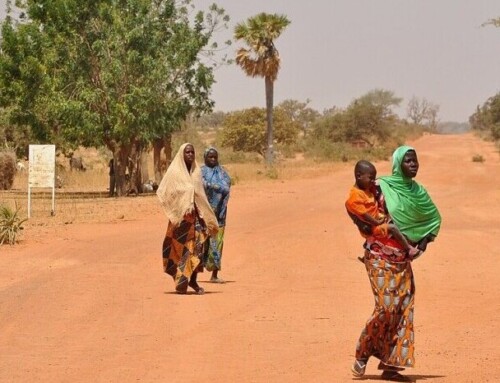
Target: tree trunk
x=135, y=169
x=120, y=156
x=161, y=164
x=167, y=148
x=143, y=161
x=269, y=118
x=157, y=147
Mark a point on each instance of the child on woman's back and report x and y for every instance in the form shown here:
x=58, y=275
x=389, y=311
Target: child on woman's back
x=363, y=208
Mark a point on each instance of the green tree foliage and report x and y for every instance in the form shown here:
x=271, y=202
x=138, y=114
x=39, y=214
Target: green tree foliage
x=261, y=59
x=12, y=136
x=367, y=119
x=245, y=130
x=486, y=119
x=123, y=73
x=383, y=99
x=211, y=120
x=300, y=112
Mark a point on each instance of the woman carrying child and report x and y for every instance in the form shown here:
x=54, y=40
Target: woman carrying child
x=388, y=334
x=362, y=207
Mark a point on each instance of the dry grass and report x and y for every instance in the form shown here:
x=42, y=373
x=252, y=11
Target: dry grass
x=285, y=170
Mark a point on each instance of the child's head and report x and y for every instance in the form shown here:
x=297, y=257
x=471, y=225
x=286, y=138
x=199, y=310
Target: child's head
x=365, y=174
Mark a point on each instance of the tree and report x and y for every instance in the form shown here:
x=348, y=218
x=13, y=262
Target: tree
x=123, y=73
x=211, y=120
x=367, y=122
x=367, y=119
x=495, y=22
x=384, y=99
x=416, y=110
x=423, y=112
x=300, y=113
x=245, y=130
x=261, y=59
x=487, y=118
x=15, y=138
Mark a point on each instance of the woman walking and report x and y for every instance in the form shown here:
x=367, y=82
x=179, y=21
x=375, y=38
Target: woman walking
x=217, y=184
x=388, y=334
x=190, y=220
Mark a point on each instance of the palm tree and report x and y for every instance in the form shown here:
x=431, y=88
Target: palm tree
x=261, y=59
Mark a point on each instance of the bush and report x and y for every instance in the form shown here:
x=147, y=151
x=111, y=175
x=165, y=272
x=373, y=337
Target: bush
x=478, y=158
x=7, y=170
x=191, y=135
x=10, y=225
x=272, y=173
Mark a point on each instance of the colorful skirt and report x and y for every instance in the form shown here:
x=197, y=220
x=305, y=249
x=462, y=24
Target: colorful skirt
x=388, y=334
x=183, y=249
x=213, y=253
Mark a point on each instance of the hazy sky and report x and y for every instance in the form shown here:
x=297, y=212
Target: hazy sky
x=336, y=50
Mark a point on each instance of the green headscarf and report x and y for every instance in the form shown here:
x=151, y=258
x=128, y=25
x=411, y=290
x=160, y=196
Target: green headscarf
x=408, y=203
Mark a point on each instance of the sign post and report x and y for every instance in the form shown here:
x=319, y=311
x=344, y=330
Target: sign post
x=42, y=171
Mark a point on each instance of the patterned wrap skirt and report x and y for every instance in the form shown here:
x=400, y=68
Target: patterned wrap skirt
x=388, y=334
x=213, y=254
x=183, y=249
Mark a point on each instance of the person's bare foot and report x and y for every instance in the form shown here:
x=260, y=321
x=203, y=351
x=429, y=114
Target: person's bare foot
x=197, y=288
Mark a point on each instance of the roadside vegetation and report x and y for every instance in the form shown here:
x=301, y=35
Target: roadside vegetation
x=11, y=224
x=86, y=78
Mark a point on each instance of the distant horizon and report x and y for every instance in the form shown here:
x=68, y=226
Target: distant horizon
x=335, y=52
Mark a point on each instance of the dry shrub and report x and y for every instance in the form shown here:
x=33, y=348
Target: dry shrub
x=7, y=170
x=478, y=158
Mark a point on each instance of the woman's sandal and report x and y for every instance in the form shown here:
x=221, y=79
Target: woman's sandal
x=217, y=280
x=358, y=368
x=386, y=367
x=394, y=376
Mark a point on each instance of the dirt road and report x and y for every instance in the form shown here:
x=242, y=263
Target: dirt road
x=89, y=302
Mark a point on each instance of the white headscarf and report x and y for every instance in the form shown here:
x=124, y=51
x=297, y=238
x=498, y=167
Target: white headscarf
x=180, y=189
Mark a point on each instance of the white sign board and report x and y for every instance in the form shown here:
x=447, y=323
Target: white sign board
x=42, y=170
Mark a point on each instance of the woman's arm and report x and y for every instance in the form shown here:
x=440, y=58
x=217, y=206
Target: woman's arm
x=422, y=244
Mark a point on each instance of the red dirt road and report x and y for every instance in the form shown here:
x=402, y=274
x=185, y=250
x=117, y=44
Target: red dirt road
x=89, y=302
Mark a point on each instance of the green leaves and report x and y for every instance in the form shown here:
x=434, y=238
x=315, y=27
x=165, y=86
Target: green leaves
x=10, y=225
x=367, y=119
x=107, y=71
x=245, y=130
x=260, y=57
x=486, y=119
